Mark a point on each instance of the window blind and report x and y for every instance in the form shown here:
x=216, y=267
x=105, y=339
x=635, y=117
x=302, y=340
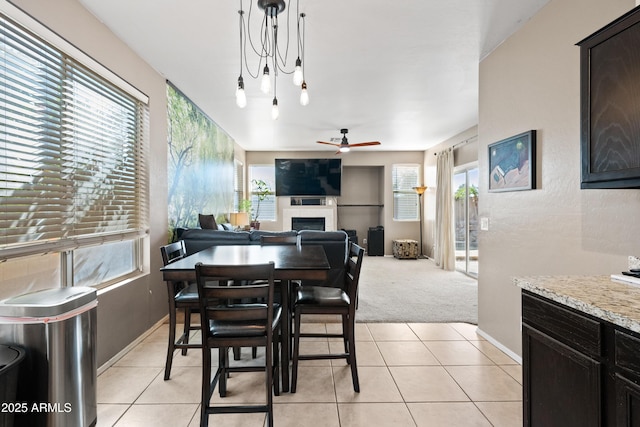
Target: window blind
x=405, y=199
x=267, y=207
x=238, y=184
x=72, y=151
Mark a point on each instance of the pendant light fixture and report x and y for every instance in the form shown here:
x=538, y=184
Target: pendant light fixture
x=269, y=51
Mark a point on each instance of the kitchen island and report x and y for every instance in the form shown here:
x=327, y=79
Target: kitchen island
x=580, y=351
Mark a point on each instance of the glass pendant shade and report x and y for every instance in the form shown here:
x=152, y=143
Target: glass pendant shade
x=304, y=95
x=265, y=84
x=241, y=97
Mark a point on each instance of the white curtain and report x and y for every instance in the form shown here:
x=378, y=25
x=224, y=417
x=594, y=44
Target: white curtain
x=444, y=251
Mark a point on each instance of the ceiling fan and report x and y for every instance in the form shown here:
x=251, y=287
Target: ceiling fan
x=343, y=145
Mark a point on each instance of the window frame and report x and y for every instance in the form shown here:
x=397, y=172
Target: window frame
x=271, y=199
x=28, y=30
x=404, y=190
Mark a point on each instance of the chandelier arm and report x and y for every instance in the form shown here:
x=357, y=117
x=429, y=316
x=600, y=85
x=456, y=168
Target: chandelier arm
x=283, y=61
x=248, y=31
x=298, y=26
x=302, y=39
x=244, y=48
x=275, y=58
x=241, y=13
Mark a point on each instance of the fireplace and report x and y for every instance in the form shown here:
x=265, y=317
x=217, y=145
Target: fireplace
x=308, y=223
x=326, y=212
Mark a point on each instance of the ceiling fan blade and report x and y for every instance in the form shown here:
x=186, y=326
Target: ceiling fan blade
x=328, y=143
x=364, y=144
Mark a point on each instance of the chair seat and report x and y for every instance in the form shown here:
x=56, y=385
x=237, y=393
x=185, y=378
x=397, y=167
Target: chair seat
x=220, y=328
x=188, y=294
x=322, y=295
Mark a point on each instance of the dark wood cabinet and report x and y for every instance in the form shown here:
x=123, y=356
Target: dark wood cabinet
x=627, y=379
x=610, y=105
x=563, y=384
x=562, y=373
x=578, y=370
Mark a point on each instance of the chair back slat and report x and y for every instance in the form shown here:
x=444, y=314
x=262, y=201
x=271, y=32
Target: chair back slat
x=238, y=291
x=173, y=252
x=238, y=312
x=221, y=301
x=279, y=240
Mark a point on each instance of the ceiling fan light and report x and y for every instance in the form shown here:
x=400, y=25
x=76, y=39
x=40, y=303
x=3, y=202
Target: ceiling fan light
x=304, y=95
x=298, y=78
x=265, y=84
x=345, y=149
x=275, y=111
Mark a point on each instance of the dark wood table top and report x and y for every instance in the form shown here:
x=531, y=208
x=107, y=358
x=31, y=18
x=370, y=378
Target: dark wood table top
x=291, y=261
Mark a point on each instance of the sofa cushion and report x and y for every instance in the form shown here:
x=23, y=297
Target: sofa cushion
x=196, y=239
x=207, y=222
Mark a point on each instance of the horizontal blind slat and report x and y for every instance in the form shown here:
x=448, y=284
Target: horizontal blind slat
x=73, y=153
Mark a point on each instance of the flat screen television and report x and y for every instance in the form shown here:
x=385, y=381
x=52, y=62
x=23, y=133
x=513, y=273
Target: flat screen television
x=308, y=177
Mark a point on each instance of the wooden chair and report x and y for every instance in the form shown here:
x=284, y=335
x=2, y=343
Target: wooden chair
x=228, y=322
x=330, y=300
x=279, y=240
x=182, y=296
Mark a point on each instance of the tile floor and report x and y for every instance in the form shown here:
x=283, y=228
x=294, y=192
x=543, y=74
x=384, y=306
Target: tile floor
x=415, y=374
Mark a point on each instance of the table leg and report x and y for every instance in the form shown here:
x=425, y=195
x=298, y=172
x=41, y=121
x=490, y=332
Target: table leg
x=286, y=333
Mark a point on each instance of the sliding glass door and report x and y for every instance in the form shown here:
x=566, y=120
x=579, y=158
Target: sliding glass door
x=465, y=187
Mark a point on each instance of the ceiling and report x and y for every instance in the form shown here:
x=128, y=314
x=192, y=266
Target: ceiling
x=403, y=73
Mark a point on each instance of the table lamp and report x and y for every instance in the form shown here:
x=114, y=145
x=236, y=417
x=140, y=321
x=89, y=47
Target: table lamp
x=239, y=219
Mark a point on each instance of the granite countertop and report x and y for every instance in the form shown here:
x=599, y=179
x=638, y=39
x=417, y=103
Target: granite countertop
x=599, y=296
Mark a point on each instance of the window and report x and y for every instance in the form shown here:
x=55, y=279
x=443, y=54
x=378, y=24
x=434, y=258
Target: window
x=267, y=207
x=73, y=148
x=405, y=199
x=238, y=184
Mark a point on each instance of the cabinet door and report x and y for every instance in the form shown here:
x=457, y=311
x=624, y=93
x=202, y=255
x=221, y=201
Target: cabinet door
x=561, y=387
x=627, y=403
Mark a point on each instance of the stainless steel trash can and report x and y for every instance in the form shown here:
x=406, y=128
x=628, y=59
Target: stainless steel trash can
x=57, y=378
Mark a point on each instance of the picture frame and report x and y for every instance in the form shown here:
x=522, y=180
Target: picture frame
x=512, y=163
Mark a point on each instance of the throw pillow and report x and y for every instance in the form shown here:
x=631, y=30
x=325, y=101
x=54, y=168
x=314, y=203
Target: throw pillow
x=207, y=222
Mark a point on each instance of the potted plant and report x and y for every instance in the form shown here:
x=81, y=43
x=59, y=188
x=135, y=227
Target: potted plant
x=261, y=190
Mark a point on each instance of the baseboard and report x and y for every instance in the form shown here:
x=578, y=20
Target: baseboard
x=497, y=343
x=134, y=343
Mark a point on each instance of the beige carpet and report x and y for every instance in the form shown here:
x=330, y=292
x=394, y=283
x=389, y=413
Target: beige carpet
x=407, y=290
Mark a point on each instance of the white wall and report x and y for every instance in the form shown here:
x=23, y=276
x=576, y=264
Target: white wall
x=532, y=82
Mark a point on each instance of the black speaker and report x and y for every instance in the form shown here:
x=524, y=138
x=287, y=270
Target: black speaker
x=375, y=241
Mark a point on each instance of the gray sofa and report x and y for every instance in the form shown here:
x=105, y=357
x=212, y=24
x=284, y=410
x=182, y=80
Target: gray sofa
x=335, y=244
x=196, y=239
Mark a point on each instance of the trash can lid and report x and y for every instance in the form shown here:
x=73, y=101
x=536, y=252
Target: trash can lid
x=9, y=356
x=47, y=302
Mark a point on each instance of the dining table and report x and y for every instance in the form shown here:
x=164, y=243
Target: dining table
x=291, y=262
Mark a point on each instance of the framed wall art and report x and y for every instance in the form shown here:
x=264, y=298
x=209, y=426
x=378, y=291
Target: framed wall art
x=512, y=163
